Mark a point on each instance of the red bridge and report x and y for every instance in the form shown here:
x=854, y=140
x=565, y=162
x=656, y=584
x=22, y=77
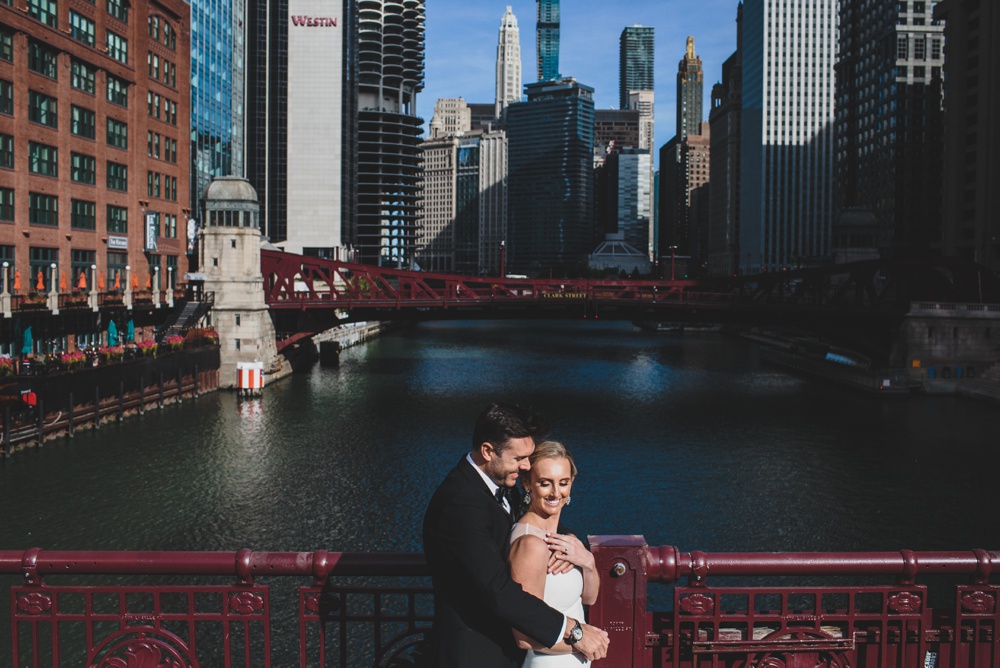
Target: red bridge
x=863, y=302
x=187, y=609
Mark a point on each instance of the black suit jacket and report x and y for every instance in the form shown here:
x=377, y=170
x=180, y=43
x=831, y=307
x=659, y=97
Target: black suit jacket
x=466, y=540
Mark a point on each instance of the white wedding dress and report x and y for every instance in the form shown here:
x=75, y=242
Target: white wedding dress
x=562, y=592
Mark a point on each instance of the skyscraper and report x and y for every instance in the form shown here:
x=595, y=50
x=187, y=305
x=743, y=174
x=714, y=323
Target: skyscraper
x=508, y=63
x=722, y=246
x=889, y=119
x=972, y=126
x=302, y=164
x=218, y=55
x=689, y=92
x=635, y=62
x=547, y=40
x=550, y=187
x=786, y=151
x=391, y=73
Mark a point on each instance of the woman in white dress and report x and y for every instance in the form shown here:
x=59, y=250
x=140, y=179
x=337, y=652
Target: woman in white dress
x=538, y=553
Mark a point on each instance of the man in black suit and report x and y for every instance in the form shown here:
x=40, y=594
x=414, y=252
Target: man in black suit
x=466, y=540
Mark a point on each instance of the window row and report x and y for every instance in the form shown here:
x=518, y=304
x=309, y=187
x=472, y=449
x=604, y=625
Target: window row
x=160, y=30
x=161, y=69
x=155, y=104
x=169, y=183
x=82, y=264
x=44, y=210
x=153, y=142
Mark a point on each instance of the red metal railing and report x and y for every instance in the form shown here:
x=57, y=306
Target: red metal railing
x=343, y=617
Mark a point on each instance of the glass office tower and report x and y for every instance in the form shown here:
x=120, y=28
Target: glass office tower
x=547, y=40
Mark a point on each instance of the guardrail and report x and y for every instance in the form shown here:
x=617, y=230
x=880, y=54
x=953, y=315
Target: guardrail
x=342, y=617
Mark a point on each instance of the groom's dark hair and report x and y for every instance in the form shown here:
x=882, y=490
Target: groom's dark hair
x=501, y=422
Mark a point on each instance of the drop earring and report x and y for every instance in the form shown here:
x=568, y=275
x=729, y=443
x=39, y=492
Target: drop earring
x=568, y=499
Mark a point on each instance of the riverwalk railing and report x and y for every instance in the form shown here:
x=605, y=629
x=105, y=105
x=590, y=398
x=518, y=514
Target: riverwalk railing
x=352, y=609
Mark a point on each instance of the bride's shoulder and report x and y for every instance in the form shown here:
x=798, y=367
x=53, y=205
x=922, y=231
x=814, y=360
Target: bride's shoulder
x=528, y=538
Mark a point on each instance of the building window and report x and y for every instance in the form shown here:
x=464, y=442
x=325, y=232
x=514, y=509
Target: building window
x=82, y=76
x=116, y=269
x=81, y=28
x=152, y=184
x=7, y=205
x=170, y=226
x=81, y=262
x=43, y=159
x=42, y=59
x=44, y=10
x=117, y=133
x=40, y=263
x=117, y=176
x=7, y=151
x=152, y=144
x=169, y=37
x=936, y=48
x=117, y=47
x=84, y=168
x=172, y=271
x=83, y=122
x=6, y=97
x=919, y=48
x=117, y=91
x=153, y=27
x=83, y=215
x=6, y=43
x=42, y=109
x=117, y=219
x=153, y=104
x=153, y=65
x=118, y=9
x=43, y=209
x=902, y=48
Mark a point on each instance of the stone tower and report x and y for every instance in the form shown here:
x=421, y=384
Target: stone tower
x=230, y=260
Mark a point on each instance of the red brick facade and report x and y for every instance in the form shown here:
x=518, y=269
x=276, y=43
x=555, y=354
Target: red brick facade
x=153, y=38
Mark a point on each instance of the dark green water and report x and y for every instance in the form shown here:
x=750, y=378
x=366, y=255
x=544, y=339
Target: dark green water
x=688, y=440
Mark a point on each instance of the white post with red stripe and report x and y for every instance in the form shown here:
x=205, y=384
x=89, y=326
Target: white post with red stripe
x=250, y=378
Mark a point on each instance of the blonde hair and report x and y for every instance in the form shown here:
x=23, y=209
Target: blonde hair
x=553, y=450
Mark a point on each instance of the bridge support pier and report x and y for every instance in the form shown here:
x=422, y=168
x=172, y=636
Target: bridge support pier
x=230, y=260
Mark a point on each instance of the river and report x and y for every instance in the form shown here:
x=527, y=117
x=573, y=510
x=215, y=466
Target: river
x=686, y=439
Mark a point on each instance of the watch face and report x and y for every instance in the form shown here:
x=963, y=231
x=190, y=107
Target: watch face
x=576, y=633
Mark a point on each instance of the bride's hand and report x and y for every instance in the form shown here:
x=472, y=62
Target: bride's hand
x=567, y=552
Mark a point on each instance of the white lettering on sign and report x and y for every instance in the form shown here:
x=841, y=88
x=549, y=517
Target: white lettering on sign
x=315, y=21
x=120, y=243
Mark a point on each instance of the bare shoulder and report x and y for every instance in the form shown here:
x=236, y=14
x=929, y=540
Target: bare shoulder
x=529, y=548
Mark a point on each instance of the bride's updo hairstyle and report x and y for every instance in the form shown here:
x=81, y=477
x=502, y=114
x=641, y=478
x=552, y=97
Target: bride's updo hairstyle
x=553, y=450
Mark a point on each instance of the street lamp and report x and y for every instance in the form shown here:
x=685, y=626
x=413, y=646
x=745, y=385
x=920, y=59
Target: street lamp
x=503, y=251
x=673, y=255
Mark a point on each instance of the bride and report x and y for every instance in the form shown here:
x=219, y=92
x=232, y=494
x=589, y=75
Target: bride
x=554, y=567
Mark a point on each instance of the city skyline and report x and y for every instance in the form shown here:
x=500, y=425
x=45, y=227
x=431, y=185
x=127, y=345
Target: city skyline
x=461, y=43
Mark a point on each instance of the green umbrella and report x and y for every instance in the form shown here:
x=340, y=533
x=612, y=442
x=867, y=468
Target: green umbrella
x=130, y=331
x=28, y=341
x=112, y=333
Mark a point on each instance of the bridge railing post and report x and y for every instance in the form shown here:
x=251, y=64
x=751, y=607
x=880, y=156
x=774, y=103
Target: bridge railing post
x=622, y=565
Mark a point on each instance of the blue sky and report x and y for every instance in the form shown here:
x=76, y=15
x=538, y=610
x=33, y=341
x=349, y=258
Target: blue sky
x=461, y=42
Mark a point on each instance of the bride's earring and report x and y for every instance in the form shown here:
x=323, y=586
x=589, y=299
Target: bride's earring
x=527, y=498
x=568, y=499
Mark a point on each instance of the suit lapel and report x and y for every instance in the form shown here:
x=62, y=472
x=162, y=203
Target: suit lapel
x=477, y=481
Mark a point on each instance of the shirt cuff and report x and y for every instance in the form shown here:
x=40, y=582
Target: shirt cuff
x=562, y=634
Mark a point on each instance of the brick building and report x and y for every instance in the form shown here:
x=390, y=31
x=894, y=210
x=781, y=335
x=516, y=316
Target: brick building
x=94, y=143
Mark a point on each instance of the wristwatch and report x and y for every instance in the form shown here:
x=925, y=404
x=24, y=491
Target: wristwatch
x=575, y=635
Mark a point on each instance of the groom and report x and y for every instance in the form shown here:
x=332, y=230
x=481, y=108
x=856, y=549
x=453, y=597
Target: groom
x=466, y=540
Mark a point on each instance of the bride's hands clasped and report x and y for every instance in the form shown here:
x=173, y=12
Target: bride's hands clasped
x=567, y=552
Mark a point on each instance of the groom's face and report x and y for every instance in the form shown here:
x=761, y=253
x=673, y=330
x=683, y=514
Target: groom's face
x=503, y=468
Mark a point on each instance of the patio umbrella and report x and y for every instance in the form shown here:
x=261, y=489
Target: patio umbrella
x=100, y=282
x=118, y=280
x=82, y=283
x=130, y=331
x=135, y=281
x=112, y=333
x=27, y=343
x=17, y=280
x=41, y=282
x=149, y=281
x=62, y=281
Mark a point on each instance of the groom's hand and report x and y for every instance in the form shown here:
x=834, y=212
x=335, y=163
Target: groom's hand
x=594, y=644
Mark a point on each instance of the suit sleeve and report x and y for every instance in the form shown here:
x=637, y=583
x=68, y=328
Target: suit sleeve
x=463, y=533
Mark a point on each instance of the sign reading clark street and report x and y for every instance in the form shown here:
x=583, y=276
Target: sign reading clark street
x=315, y=21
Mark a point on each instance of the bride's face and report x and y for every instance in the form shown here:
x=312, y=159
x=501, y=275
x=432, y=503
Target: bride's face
x=549, y=485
